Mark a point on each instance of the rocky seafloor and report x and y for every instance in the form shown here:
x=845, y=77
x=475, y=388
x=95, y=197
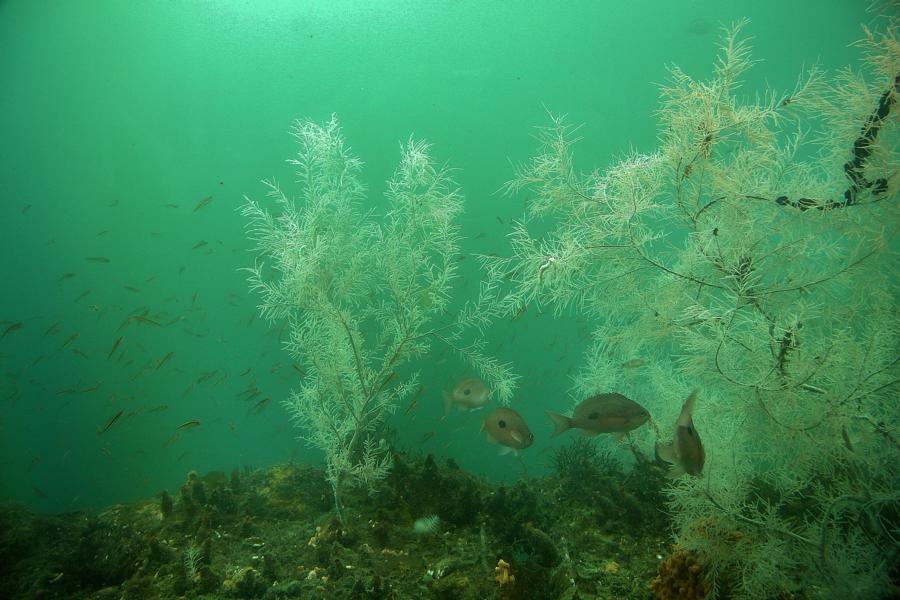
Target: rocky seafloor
x=588, y=530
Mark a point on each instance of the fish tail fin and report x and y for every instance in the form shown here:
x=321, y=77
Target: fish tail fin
x=560, y=423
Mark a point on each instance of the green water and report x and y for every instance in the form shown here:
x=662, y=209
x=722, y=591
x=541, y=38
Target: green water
x=118, y=118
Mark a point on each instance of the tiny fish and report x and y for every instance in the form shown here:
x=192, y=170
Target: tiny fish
x=202, y=203
x=247, y=370
x=199, y=244
x=206, y=376
x=112, y=421
x=519, y=312
x=102, y=233
x=115, y=347
x=71, y=339
x=414, y=401
x=189, y=424
x=26, y=208
x=131, y=288
x=633, y=363
x=164, y=360
x=99, y=259
x=65, y=276
x=170, y=205
x=12, y=329
x=262, y=404
x=83, y=294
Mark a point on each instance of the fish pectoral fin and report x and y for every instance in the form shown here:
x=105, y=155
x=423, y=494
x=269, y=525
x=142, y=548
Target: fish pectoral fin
x=504, y=450
x=491, y=439
x=675, y=471
x=667, y=453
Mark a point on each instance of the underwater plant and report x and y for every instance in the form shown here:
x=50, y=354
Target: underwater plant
x=753, y=257
x=364, y=296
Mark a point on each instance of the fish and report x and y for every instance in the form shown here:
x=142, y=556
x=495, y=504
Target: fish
x=112, y=421
x=262, y=404
x=171, y=205
x=685, y=453
x=115, y=347
x=202, y=203
x=71, y=339
x=164, y=360
x=414, y=401
x=634, y=363
x=199, y=244
x=206, y=376
x=143, y=319
x=189, y=424
x=603, y=413
x=52, y=330
x=468, y=394
x=99, y=259
x=65, y=276
x=506, y=427
x=12, y=329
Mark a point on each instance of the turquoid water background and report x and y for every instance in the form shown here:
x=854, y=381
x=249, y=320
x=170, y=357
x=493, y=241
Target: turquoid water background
x=119, y=118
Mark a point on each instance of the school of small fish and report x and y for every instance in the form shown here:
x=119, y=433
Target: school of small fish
x=127, y=349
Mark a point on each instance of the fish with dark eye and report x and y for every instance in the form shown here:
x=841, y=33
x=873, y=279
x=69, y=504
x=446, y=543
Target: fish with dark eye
x=469, y=394
x=506, y=427
x=603, y=413
x=685, y=453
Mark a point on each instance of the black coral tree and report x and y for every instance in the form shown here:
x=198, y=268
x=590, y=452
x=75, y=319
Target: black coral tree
x=752, y=256
x=364, y=295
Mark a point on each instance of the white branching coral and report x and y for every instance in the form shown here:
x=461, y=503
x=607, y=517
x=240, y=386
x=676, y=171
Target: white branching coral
x=363, y=295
